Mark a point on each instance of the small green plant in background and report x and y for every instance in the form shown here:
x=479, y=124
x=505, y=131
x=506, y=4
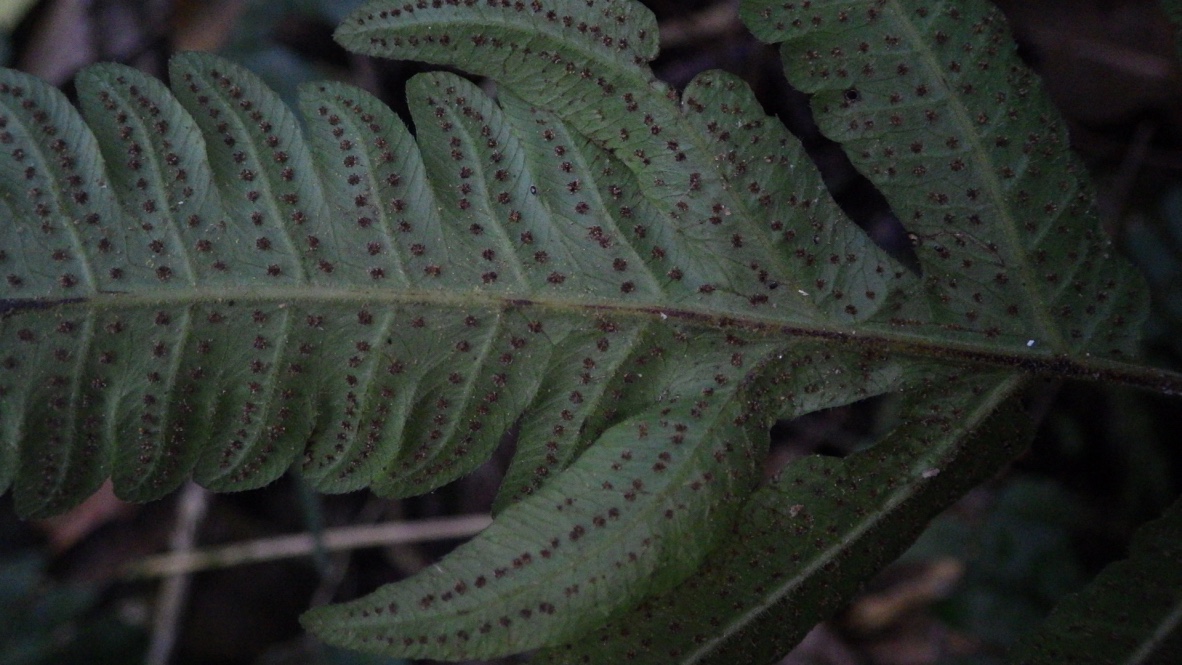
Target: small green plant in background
x=635, y=281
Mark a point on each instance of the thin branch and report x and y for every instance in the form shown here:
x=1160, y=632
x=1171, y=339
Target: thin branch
x=371, y=511
x=170, y=604
x=702, y=27
x=283, y=547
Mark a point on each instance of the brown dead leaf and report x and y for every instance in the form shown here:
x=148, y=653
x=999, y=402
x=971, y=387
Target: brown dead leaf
x=66, y=530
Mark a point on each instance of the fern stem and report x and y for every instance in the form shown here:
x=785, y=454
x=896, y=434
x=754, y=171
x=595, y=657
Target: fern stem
x=1099, y=370
x=883, y=338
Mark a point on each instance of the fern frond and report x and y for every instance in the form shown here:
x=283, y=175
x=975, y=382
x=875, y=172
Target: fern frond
x=777, y=574
x=637, y=282
x=1131, y=612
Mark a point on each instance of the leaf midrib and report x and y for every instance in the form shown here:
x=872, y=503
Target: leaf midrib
x=265, y=184
x=1161, y=632
x=371, y=174
x=90, y=279
x=882, y=338
x=156, y=172
x=987, y=173
x=885, y=507
x=646, y=515
x=538, y=28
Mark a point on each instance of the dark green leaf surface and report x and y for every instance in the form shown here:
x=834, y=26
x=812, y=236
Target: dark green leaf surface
x=635, y=529
x=932, y=104
x=1173, y=9
x=776, y=576
x=1131, y=613
x=637, y=282
x=727, y=240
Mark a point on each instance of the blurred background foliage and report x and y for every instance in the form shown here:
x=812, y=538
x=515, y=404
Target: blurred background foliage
x=1105, y=460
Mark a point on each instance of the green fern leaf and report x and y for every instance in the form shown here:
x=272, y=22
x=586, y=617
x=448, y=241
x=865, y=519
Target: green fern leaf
x=933, y=105
x=775, y=577
x=147, y=346
x=637, y=282
x=1131, y=612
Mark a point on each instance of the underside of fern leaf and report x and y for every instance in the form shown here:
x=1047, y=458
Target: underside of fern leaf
x=1131, y=613
x=634, y=281
x=776, y=575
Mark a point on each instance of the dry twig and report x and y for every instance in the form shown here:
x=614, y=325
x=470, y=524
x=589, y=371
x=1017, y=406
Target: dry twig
x=282, y=547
